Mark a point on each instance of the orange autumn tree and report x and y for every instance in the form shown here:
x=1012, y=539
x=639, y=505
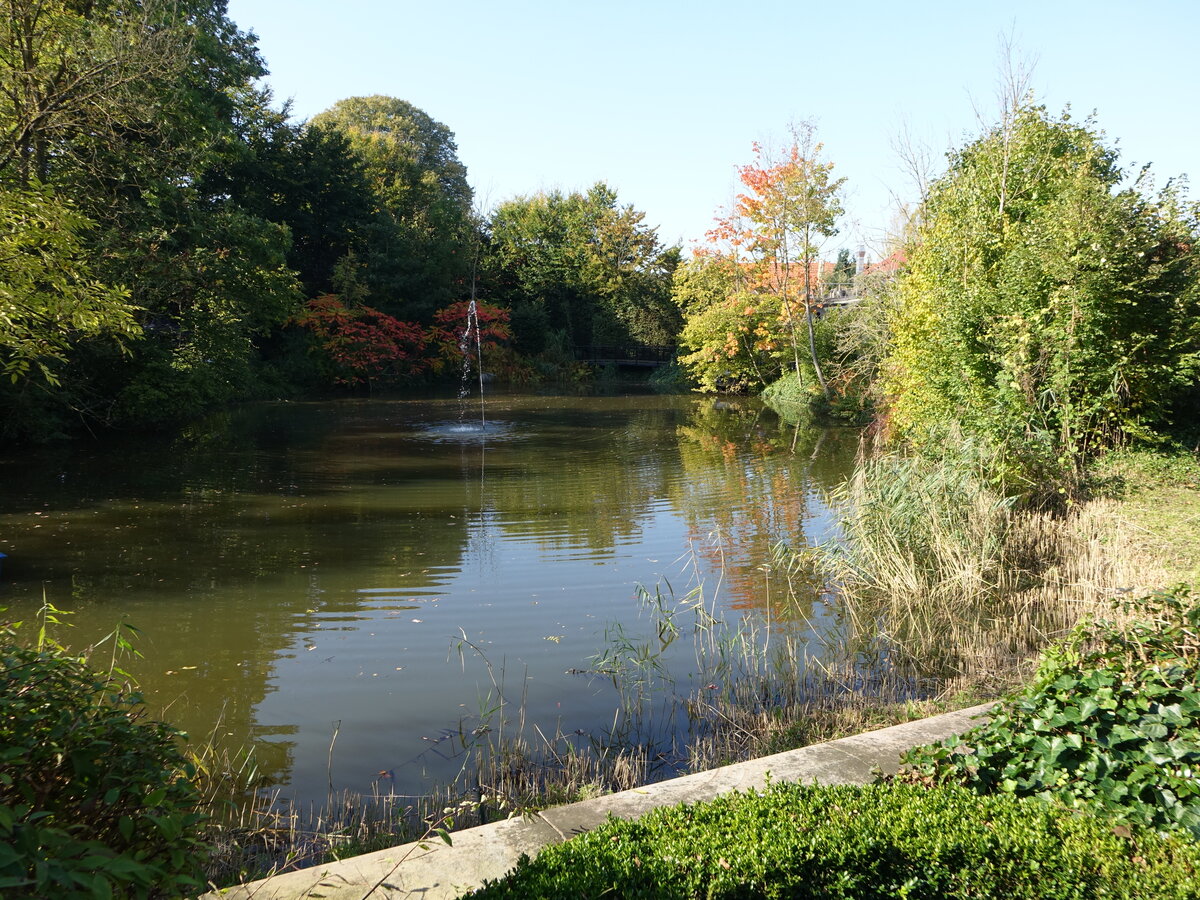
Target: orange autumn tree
x=790, y=208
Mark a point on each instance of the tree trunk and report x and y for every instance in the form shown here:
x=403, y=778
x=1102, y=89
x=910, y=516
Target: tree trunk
x=808, y=319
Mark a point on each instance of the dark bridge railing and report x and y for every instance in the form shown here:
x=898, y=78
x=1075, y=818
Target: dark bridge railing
x=628, y=355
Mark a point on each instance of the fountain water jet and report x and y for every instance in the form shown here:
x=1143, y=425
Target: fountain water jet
x=464, y=346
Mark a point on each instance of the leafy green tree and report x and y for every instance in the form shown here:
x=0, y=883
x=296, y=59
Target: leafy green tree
x=49, y=297
x=843, y=270
x=306, y=177
x=119, y=110
x=583, y=266
x=730, y=338
x=415, y=244
x=76, y=76
x=1044, y=306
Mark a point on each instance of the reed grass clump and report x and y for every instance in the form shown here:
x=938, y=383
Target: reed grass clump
x=959, y=578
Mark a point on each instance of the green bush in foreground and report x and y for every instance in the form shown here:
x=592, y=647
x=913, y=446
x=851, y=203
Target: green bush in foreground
x=94, y=800
x=860, y=842
x=1110, y=724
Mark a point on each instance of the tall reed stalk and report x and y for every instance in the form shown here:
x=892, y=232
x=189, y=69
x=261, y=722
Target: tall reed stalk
x=957, y=577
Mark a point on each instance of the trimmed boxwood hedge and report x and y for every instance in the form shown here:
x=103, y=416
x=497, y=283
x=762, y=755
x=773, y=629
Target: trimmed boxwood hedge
x=887, y=840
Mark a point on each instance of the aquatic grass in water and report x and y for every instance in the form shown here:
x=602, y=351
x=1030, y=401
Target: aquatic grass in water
x=940, y=594
x=750, y=685
x=956, y=577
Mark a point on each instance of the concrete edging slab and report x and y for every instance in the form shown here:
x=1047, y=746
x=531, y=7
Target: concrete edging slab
x=442, y=872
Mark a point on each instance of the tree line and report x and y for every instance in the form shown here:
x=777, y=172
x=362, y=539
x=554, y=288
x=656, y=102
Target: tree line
x=170, y=240
x=1045, y=305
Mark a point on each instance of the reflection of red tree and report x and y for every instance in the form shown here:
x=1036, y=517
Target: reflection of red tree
x=361, y=342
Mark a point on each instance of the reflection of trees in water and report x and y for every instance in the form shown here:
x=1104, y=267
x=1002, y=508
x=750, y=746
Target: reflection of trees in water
x=229, y=543
x=741, y=450
x=221, y=548
x=591, y=485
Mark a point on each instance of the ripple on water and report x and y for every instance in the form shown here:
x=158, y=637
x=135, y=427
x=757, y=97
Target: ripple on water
x=466, y=432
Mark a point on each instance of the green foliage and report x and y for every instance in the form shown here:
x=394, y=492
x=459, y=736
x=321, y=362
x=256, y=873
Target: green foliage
x=787, y=391
x=1111, y=724
x=860, y=340
x=49, y=297
x=76, y=78
x=669, y=378
x=858, y=842
x=799, y=388
x=121, y=116
x=308, y=178
x=415, y=242
x=730, y=338
x=844, y=269
x=1044, y=307
x=95, y=801
x=582, y=265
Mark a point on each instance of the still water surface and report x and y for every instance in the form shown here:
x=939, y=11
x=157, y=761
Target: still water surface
x=301, y=569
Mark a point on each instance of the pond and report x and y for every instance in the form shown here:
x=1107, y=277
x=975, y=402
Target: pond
x=342, y=585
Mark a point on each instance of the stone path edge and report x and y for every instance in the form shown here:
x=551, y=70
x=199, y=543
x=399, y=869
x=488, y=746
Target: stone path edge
x=442, y=872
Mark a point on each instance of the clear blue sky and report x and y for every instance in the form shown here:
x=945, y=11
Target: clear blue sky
x=662, y=99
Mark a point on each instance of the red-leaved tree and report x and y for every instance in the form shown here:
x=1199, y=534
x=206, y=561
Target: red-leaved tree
x=450, y=336
x=361, y=343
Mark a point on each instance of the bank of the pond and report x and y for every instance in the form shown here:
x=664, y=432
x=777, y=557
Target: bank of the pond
x=1158, y=495
x=256, y=839
x=433, y=870
x=749, y=701
x=1075, y=807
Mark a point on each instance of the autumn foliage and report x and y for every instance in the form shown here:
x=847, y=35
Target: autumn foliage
x=451, y=325
x=765, y=252
x=362, y=343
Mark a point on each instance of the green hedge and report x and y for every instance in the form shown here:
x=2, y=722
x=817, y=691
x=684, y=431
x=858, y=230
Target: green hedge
x=861, y=842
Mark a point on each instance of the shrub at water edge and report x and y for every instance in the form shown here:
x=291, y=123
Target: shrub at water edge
x=1111, y=723
x=95, y=800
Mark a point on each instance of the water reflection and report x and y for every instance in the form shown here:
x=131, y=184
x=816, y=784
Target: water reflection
x=301, y=569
